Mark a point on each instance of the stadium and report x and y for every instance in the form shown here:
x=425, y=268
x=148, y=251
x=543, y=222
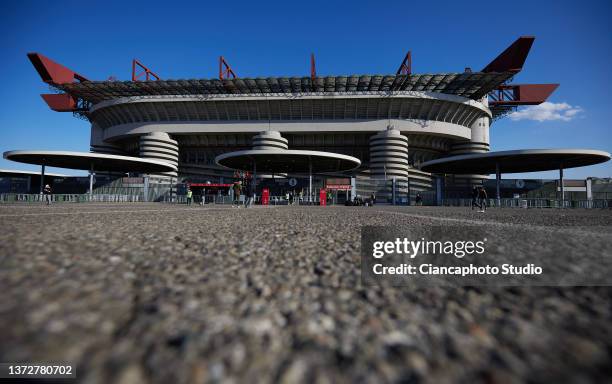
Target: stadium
x=391, y=123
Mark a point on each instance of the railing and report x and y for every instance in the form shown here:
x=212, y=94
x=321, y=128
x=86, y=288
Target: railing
x=282, y=200
x=533, y=203
x=274, y=200
x=68, y=198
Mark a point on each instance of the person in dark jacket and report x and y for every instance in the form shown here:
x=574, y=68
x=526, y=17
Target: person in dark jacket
x=47, y=194
x=237, y=188
x=482, y=199
x=475, y=198
x=248, y=197
x=418, y=199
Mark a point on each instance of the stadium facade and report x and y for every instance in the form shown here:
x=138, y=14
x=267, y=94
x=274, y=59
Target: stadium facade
x=392, y=123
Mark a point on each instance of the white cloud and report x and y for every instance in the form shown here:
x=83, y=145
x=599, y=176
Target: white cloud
x=547, y=111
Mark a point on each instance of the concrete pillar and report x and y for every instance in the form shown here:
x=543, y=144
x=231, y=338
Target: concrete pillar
x=159, y=146
x=42, y=178
x=389, y=155
x=98, y=145
x=439, y=190
x=309, y=180
x=145, y=189
x=478, y=143
x=562, y=186
x=270, y=140
x=497, y=184
x=589, y=192
x=91, y=181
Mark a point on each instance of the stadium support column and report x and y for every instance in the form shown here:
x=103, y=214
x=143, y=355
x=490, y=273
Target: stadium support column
x=98, y=145
x=310, y=180
x=562, y=186
x=478, y=143
x=438, y=190
x=389, y=160
x=91, y=177
x=589, y=191
x=159, y=146
x=389, y=155
x=497, y=184
x=254, y=181
x=270, y=140
x=42, y=177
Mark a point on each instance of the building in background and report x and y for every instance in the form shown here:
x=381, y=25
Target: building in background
x=392, y=123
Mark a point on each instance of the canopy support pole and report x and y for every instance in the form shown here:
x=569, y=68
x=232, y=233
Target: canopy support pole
x=310, y=180
x=562, y=186
x=497, y=184
x=42, y=177
x=254, y=186
x=91, y=176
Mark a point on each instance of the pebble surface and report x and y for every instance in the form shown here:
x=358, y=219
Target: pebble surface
x=139, y=293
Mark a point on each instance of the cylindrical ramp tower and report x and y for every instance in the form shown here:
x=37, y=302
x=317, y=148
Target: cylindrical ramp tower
x=159, y=145
x=389, y=155
x=270, y=140
x=461, y=185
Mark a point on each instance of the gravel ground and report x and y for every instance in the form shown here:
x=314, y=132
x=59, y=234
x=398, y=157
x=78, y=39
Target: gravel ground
x=155, y=293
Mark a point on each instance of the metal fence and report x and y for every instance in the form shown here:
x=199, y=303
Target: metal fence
x=68, y=198
x=282, y=200
x=227, y=200
x=533, y=203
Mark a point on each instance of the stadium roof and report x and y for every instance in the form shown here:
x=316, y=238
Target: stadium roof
x=81, y=93
x=472, y=85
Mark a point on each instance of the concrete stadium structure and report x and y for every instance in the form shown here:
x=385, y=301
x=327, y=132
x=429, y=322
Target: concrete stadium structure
x=391, y=123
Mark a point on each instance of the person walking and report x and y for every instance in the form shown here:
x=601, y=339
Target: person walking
x=47, y=194
x=248, y=195
x=482, y=199
x=419, y=199
x=475, y=197
x=189, y=195
x=237, y=190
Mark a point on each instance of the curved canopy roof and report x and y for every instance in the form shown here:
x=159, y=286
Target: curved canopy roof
x=85, y=160
x=287, y=161
x=524, y=160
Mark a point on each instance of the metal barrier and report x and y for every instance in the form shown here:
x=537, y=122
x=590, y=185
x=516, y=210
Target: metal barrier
x=68, y=198
x=228, y=200
x=533, y=203
x=282, y=200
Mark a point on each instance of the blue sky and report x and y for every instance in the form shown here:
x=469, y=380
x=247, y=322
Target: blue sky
x=181, y=39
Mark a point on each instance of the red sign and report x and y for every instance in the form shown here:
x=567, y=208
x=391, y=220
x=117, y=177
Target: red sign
x=341, y=187
x=265, y=196
x=322, y=197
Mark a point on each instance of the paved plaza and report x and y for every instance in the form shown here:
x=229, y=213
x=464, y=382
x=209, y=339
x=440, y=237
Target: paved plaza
x=135, y=293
